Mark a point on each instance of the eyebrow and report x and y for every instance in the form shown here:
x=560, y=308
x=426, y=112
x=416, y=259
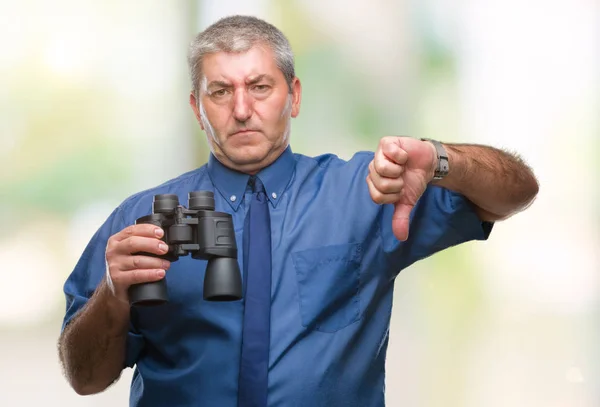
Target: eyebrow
x=220, y=84
x=259, y=78
x=253, y=81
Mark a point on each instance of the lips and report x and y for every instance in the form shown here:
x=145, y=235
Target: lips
x=243, y=132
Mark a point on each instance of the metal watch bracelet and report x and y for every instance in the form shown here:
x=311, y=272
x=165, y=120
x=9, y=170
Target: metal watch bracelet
x=443, y=164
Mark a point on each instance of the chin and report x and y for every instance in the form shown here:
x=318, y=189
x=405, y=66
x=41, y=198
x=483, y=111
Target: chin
x=247, y=154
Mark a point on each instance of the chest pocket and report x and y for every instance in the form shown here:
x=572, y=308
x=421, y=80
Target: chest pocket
x=329, y=286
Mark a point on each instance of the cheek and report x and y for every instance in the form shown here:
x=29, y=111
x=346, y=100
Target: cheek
x=217, y=117
x=272, y=115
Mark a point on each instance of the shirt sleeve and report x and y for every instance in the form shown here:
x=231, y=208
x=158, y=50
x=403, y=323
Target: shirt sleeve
x=88, y=273
x=441, y=219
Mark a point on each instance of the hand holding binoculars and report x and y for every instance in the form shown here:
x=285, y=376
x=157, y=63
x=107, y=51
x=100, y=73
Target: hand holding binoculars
x=200, y=231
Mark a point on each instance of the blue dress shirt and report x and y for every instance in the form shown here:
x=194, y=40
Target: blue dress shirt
x=334, y=262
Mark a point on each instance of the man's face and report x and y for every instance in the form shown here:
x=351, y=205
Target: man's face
x=245, y=107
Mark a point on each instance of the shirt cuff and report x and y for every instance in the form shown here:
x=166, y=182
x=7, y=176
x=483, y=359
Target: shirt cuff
x=466, y=221
x=135, y=346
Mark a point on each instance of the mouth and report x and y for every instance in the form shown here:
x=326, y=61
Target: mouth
x=244, y=132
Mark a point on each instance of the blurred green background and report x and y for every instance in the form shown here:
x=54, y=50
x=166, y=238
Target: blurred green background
x=93, y=108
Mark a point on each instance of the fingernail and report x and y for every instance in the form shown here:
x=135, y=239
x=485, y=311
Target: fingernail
x=163, y=247
x=160, y=273
x=165, y=264
x=158, y=232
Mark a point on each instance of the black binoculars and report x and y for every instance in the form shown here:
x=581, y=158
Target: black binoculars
x=201, y=231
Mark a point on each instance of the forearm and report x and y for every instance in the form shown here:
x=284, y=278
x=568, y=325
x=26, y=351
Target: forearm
x=498, y=183
x=92, y=346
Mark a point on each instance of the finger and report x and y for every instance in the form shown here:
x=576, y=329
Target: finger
x=392, y=150
x=135, y=244
x=386, y=167
x=384, y=184
x=401, y=220
x=143, y=229
x=143, y=262
x=379, y=197
x=138, y=276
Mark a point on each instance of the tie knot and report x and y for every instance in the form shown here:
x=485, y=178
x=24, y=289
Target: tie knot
x=256, y=184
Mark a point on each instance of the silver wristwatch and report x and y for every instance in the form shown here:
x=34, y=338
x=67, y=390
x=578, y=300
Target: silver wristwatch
x=443, y=164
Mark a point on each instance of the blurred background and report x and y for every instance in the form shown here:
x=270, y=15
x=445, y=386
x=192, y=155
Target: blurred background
x=94, y=107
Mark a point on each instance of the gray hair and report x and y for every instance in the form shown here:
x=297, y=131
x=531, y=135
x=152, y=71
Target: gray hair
x=239, y=34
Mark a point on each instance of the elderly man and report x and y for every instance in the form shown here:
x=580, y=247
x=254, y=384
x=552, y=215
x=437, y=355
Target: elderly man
x=322, y=241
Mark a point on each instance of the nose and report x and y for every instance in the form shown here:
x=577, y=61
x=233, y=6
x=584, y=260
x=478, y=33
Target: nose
x=242, y=108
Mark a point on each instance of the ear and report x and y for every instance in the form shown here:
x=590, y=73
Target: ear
x=296, y=96
x=194, y=105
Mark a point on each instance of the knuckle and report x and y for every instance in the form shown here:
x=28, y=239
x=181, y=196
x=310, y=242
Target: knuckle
x=372, y=166
x=376, y=196
x=129, y=230
x=385, y=140
x=375, y=164
x=136, y=276
x=136, y=262
x=116, y=278
x=112, y=265
x=111, y=246
x=130, y=244
x=385, y=185
x=110, y=252
x=383, y=167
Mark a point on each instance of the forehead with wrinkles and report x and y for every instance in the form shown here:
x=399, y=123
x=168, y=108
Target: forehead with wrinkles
x=240, y=68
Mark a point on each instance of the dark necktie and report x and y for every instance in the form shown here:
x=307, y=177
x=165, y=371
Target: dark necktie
x=254, y=364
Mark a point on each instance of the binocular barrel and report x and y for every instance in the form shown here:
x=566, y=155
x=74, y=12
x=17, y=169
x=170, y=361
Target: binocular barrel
x=201, y=232
x=165, y=203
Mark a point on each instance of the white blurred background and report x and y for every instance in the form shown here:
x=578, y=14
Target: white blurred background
x=93, y=108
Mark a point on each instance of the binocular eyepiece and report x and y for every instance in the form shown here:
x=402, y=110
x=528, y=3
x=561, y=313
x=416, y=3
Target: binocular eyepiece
x=200, y=231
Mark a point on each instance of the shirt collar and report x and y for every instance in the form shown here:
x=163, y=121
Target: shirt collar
x=231, y=184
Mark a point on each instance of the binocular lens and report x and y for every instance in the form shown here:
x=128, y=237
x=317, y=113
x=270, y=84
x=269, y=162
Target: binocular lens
x=201, y=200
x=165, y=203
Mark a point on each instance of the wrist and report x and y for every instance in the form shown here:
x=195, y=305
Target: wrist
x=440, y=162
x=112, y=296
x=434, y=161
x=112, y=291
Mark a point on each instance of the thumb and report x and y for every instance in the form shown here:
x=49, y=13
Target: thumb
x=401, y=220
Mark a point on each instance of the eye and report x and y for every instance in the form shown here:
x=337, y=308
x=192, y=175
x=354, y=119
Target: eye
x=219, y=93
x=260, y=88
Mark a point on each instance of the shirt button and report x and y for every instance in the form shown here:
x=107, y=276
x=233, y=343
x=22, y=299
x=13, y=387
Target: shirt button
x=232, y=198
x=274, y=195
